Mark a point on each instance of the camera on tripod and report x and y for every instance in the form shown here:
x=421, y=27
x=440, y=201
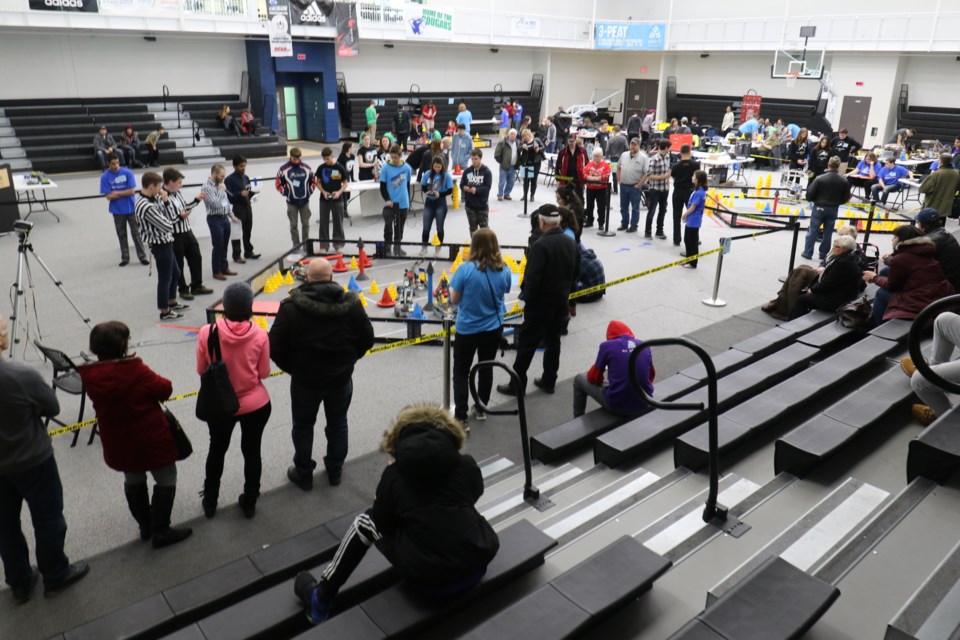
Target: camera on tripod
x=22, y=227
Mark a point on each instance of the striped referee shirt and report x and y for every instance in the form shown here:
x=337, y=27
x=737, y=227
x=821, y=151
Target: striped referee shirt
x=182, y=225
x=215, y=198
x=156, y=220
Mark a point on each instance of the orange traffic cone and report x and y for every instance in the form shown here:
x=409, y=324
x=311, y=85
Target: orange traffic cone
x=386, y=300
x=365, y=259
x=339, y=267
x=456, y=170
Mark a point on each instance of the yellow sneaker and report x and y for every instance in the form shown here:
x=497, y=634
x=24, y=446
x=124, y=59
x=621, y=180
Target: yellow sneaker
x=923, y=414
x=907, y=366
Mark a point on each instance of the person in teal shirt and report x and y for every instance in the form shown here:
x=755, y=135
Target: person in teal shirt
x=395, y=189
x=464, y=116
x=437, y=185
x=478, y=287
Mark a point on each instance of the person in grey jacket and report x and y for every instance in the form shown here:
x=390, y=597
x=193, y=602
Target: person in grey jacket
x=617, y=145
x=28, y=472
x=104, y=145
x=460, y=147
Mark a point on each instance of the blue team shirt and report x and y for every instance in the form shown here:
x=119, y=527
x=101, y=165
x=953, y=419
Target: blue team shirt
x=465, y=118
x=892, y=176
x=481, y=304
x=751, y=126
x=697, y=199
x=504, y=119
x=397, y=180
x=438, y=182
x=122, y=180
x=794, y=130
x=863, y=168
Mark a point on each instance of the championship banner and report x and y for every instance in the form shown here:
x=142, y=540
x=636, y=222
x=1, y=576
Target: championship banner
x=750, y=107
x=348, y=38
x=630, y=36
x=423, y=23
x=313, y=13
x=83, y=6
x=281, y=42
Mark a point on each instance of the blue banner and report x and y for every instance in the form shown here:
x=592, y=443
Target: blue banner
x=630, y=36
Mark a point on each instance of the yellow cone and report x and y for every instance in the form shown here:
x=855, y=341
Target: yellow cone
x=363, y=300
x=374, y=288
x=288, y=279
x=435, y=241
x=515, y=307
x=444, y=276
x=455, y=196
x=353, y=263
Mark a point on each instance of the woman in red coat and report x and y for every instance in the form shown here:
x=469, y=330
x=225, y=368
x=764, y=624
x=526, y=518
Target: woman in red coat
x=135, y=434
x=915, y=277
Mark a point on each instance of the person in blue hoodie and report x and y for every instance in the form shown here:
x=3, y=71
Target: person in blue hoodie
x=460, y=147
x=395, y=189
x=437, y=185
x=613, y=357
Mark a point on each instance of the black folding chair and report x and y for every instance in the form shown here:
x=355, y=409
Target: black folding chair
x=67, y=379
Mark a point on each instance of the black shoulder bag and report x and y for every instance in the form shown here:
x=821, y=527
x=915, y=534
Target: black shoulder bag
x=217, y=399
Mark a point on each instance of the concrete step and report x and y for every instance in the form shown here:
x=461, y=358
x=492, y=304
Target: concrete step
x=4, y=122
x=9, y=141
x=8, y=153
x=7, y=132
x=19, y=164
x=199, y=151
x=214, y=159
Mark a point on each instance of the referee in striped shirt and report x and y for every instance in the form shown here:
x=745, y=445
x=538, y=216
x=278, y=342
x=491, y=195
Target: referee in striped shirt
x=185, y=245
x=156, y=216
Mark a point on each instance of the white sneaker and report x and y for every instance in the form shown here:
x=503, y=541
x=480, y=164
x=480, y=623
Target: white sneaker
x=423, y=251
x=437, y=251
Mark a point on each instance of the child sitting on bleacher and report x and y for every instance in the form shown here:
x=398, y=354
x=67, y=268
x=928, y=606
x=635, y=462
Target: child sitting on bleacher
x=423, y=520
x=616, y=396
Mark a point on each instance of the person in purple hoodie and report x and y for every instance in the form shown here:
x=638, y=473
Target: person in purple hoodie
x=616, y=396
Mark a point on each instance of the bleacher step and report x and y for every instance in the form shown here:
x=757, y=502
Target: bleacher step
x=508, y=503
x=819, y=532
x=19, y=164
x=934, y=609
x=9, y=153
x=490, y=467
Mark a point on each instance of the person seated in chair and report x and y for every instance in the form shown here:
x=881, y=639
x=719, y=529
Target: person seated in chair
x=423, y=519
x=913, y=279
x=617, y=395
x=935, y=402
x=827, y=288
x=888, y=180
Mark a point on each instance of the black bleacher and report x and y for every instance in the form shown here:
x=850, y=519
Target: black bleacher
x=709, y=110
x=931, y=123
x=481, y=105
x=204, y=113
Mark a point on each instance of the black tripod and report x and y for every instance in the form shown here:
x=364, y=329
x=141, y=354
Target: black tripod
x=23, y=265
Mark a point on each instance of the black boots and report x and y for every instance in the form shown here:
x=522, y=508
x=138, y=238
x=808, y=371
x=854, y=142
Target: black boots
x=163, y=534
x=248, y=503
x=138, y=499
x=210, y=493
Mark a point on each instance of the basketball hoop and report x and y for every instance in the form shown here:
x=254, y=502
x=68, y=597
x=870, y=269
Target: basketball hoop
x=792, y=78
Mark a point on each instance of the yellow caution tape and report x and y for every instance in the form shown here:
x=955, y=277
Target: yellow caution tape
x=675, y=263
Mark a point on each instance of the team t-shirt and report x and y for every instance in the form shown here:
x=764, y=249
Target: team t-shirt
x=369, y=156
x=682, y=173
x=697, y=200
x=892, y=176
x=371, y=115
x=331, y=176
x=481, y=304
x=397, y=179
x=863, y=169
x=120, y=181
x=438, y=182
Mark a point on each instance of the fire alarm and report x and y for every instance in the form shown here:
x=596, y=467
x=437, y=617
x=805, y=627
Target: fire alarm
x=643, y=69
x=859, y=84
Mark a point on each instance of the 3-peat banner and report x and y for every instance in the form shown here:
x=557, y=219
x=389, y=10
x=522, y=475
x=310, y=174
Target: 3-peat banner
x=85, y=6
x=427, y=23
x=281, y=42
x=630, y=36
x=348, y=39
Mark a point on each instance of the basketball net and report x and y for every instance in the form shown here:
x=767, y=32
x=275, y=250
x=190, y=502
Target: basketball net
x=792, y=78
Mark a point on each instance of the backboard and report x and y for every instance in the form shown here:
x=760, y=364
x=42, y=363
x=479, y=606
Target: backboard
x=808, y=64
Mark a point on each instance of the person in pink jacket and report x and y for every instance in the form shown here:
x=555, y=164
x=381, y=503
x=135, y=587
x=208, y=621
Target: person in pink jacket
x=246, y=350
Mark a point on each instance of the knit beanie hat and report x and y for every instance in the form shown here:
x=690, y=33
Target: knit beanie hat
x=238, y=300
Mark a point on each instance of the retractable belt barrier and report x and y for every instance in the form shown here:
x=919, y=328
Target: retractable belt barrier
x=438, y=335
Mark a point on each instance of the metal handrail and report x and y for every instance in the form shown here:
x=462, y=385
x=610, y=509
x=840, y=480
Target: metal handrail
x=916, y=331
x=179, y=111
x=712, y=510
x=166, y=94
x=195, y=132
x=530, y=492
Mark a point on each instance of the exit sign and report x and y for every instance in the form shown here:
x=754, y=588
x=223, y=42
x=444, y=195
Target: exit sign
x=301, y=56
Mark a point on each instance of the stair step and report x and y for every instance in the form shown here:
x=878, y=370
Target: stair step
x=19, y=164
x=814, y=536
x=9, y=153
x=490, y=468
x=205, y=160
x=933, y=610
x=507, y=495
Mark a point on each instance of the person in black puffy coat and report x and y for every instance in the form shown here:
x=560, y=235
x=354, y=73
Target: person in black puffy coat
x=423, y=519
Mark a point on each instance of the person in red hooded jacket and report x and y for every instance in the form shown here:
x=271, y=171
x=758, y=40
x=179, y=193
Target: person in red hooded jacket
x=617, y=395
x=135, y=434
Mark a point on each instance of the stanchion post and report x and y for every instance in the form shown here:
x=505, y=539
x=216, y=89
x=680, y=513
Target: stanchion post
x=447, y=326
x=605, y=232
x=714, y=301
x=793, y=247
x=866, y=233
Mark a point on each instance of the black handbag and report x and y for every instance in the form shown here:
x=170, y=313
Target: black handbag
x=184, y=446
x=217, y=399
x=502, y=343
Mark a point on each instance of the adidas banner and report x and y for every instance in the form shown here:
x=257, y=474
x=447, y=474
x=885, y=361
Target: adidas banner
x=345, y=17
x=312, y=13
x=85, y=6
x=281, y=41
x=630, y=36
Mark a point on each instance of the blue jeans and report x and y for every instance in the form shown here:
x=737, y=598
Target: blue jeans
x=881, y=299
x=305, y=399
x=433, y=209
x=629, y=198
x=40, y=487
x=168, y=274
x=507, y=178
x=102, y=158
x=826, y=216
x=220, y=238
